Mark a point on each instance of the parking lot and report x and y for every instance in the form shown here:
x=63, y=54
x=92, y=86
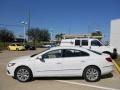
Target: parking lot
x=108, y=82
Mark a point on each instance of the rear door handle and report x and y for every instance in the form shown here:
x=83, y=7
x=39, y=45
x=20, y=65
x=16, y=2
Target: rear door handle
x=58, y=63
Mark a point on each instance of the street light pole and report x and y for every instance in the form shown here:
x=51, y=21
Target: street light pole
x=24, y=23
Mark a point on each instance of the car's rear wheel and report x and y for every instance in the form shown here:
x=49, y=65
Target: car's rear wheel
x=23, y=74
x=92, y=74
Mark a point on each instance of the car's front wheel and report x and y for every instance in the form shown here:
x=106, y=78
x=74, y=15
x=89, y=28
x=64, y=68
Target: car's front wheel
x=23, y=74
x=17, y=49
x=92, y=74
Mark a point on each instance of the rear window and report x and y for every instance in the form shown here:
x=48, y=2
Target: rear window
x=95, y=52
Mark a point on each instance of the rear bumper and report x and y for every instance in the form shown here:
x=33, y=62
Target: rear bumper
x=107, y=69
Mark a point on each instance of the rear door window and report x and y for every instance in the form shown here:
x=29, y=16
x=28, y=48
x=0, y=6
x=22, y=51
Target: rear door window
x=74, y=53
x=84, y=42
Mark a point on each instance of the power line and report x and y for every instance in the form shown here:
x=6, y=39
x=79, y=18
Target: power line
x=29, y=19
x=10, y=25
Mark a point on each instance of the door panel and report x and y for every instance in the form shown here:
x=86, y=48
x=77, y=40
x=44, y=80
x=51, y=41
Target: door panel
x=73, y=61
x=51, y=67
x=73, y=66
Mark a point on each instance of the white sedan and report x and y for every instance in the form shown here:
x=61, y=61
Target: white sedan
x=61, y=62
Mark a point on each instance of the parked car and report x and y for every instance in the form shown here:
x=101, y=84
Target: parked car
x=61, y=61
x=89, y=43
x=29, y=47
x=48, y=45
x=16, y=46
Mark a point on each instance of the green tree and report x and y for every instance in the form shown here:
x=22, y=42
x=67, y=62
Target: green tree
x=38, y=35
x=97, y=33
x=44, y=35
x=6, y=35
x=33, y=34
x=59, y=37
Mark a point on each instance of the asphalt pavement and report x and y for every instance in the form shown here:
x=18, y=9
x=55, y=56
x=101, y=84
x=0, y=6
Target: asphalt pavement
x=108, y=82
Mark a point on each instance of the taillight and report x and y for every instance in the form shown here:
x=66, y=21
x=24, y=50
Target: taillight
x=109, y=59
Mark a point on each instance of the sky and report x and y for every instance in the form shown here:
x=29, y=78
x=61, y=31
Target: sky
x=60, y=16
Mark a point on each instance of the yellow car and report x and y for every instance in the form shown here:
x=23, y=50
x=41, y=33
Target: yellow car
x=16, y=46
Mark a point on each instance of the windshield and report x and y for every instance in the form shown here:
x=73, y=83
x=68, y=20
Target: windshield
x=95, y=52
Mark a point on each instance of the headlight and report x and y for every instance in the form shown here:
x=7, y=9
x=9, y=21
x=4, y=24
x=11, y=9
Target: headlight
x=11, y=64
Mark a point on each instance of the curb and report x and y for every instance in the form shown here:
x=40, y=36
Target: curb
x=116, y=65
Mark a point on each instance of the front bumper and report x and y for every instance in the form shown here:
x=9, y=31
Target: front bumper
x=10, y=71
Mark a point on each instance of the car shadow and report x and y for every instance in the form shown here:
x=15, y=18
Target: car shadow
x=70, y=78
x=59, y=78
x=110, y=75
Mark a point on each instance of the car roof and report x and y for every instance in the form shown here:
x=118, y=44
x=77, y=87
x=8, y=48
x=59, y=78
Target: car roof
x=15, y=43
x=80, y=39
x=69, y=47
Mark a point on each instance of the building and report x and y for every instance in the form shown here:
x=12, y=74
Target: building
x=70, y=36
x=115, y=34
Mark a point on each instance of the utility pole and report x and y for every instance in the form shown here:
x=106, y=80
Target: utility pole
x=24, y=25
x=29, y=19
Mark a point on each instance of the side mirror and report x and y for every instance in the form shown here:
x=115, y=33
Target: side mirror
x=41, y=59
x=99, y=45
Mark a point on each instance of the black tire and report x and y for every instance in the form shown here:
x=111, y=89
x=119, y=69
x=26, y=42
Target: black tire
x=92, y=74
x=23, y=74
x=17, y=49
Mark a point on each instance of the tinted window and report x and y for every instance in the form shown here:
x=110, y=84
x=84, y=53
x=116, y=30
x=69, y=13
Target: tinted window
x=74, y=53
x=53, y=54
x=84, y=42
x=77, y=42
x=12, y=45
x=18, y=44
x=95, y=43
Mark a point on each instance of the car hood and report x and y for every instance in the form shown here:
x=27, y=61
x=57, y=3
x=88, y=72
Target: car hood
x=21, y=59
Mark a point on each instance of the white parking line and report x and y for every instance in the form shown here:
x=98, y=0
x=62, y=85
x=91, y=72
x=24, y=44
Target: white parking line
x=88, y=85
